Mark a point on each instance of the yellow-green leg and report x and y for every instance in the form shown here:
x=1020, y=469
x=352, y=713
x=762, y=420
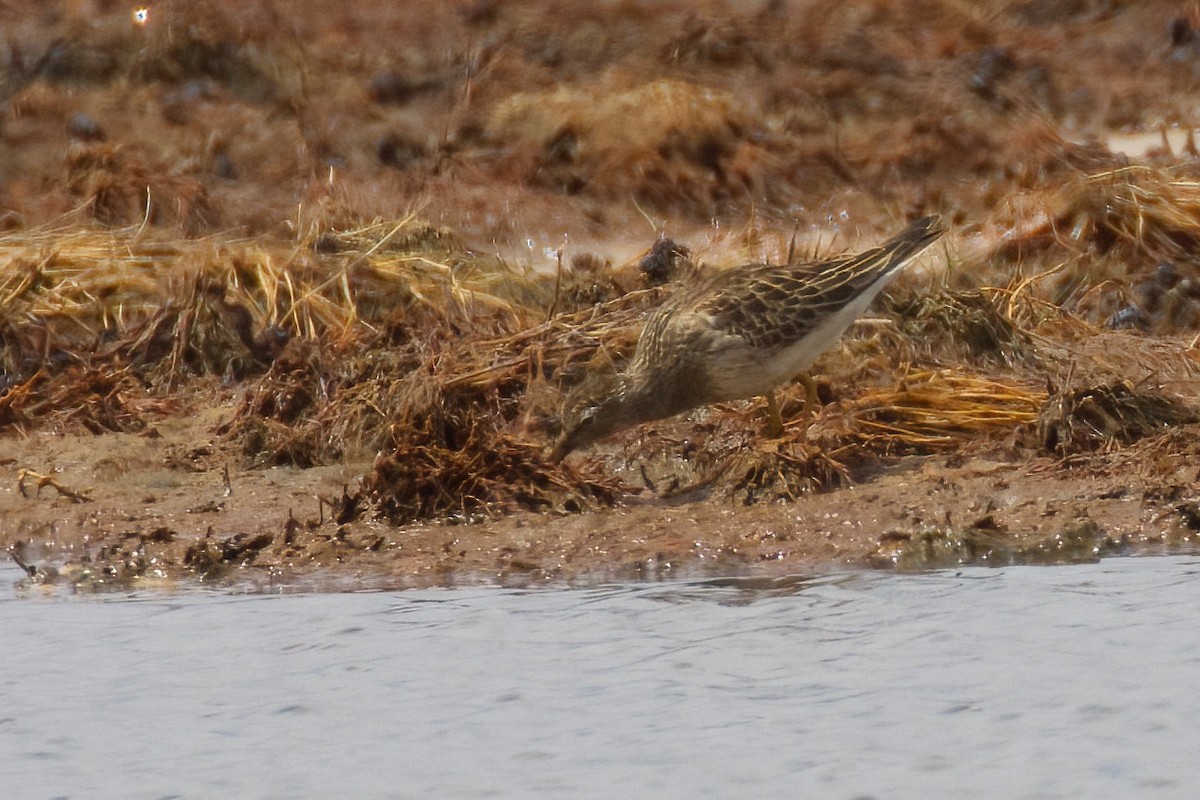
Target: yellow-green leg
x=811, y=398
x=774, y=418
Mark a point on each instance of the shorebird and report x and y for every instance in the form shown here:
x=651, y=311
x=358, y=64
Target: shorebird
x=741, y=333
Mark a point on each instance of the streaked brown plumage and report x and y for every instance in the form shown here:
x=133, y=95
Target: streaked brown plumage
x=739, y=334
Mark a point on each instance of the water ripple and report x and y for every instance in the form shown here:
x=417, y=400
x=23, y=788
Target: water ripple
x=1046, y=681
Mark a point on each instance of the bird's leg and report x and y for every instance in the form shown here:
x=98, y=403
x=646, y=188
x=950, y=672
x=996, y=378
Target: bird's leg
x=811, y=398
x=774, y=418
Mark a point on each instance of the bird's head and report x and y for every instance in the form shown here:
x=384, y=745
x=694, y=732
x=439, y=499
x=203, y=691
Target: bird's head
x=593, y=411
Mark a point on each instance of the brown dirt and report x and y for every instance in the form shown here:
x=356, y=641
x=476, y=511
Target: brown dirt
x=155, y=508
x=292, y=296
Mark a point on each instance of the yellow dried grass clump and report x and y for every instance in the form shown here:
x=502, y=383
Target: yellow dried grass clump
x=931, y=410
x=611, y=124
x=666, y=140
x=1142, y=213
x=120, y=187
x=122, y=300
x=1142, y=209
x=1115, y=248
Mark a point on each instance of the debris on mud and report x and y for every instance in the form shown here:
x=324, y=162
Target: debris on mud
x=268, y=309
x=1082, y=420
x=966, y=326
x=984, y=543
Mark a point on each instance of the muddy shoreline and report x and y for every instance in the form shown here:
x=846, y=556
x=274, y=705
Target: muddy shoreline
x=296, y=301
x=138, y=515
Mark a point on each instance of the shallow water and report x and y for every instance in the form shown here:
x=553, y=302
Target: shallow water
x=1036, y=682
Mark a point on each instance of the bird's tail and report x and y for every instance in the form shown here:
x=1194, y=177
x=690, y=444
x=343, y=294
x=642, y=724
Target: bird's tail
x=844, y=279
x=893, y=253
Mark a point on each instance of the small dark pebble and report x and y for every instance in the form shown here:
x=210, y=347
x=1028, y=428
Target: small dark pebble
x=327, y=243
x=391, y=87
x=1166, y=274
x=1129, y=317
x=479, y=12
x=222, y=166
x=993, y=65
x=1182, y=32
x=397, y=150
x=270, y=342
x=663, y=261
x=83, y=127
x=1190, y=514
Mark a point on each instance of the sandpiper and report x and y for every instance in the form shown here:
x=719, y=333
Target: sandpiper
x=741, y=333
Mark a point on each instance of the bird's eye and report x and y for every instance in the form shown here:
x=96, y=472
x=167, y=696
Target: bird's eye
x=588, y=415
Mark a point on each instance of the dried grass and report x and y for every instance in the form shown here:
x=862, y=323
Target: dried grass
x=579, y=138
x=1140, y=211
x=390, y=337
x=1109, y=226
x=975, y=327
x=1117, y=414
x=927, y=412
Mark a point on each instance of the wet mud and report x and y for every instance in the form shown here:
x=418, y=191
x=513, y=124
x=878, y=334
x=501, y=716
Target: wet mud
x=293, y=297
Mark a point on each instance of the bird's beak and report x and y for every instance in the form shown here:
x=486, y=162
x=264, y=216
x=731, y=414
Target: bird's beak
x=560, y=450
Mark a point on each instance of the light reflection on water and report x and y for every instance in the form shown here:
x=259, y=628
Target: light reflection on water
x=1021, y=682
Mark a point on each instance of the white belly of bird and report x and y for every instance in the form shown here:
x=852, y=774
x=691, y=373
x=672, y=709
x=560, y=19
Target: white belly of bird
x=743, y=371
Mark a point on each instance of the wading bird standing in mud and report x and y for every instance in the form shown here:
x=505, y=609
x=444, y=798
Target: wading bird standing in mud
x=739, y=334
